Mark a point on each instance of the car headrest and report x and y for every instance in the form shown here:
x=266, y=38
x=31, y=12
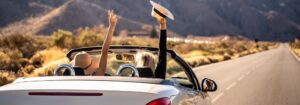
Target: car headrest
x=78, y=72
x=145, y=72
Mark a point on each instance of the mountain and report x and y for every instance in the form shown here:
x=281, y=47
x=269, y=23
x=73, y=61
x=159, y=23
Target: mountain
x=254, y=19
x=17, y=10
x=263, y=19
x=70, y=15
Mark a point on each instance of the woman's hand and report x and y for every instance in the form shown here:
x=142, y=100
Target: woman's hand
x=163, y=23
x=112, y=18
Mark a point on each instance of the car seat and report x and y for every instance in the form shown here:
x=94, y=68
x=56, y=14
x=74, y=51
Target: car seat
x=145, y=72
x=78, y=72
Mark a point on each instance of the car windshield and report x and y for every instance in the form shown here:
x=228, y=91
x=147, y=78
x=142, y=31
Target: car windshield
x=139, y=58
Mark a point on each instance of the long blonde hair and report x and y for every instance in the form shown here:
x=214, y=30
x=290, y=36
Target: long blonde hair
x=145, y=59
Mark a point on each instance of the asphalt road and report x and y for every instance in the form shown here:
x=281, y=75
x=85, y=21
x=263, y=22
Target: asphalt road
x=267, y=78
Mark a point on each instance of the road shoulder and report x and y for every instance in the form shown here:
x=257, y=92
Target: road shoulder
x=293, y=53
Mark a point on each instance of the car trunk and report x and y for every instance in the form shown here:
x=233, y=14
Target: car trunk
x=78, y=91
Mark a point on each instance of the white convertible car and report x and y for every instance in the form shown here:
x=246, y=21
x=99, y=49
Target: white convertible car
x=124, y=83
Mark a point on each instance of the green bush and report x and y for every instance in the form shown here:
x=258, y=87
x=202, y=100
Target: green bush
x=86, y=37
x=26, y=44
x=62, y=38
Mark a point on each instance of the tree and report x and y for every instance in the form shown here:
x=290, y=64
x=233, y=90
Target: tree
x=153, y=33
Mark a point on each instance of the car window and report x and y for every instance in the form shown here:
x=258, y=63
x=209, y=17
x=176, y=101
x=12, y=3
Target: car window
x=176, y=71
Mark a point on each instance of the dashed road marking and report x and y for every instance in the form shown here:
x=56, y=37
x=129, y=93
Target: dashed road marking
x=217, y=97
x=242, y=77
x=231, y=85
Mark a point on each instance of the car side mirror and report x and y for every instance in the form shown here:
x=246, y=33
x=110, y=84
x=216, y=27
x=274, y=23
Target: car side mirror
x=208, y=85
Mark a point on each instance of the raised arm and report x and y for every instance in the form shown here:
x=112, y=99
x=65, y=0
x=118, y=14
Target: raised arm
x=162, y=62
x=113, y=19
x=163, y=23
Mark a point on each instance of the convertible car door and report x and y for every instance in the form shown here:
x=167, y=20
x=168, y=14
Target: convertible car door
x=192, y=97
x=190, y=93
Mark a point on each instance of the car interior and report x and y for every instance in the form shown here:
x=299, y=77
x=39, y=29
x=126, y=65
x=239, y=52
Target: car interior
x=119, y=57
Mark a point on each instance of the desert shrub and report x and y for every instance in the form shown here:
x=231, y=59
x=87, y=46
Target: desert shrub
x=47, y=69
x=198, y=61
x=88, y=37
x=219, y=51
x=4, y=60
x=62, y=38
x=7, y=63
x=82, y=37
x=40, y=59
x=135, y=41
x=48, y=55
x=227, y=56
x=26, y=44
x=297, y=52
x=295, y=46
x=16, y=49
x=173, y=68
x=26, y=71
x=6, y=77
x=196, y=58
x=128, y=41
x=184, y=48
x=224, y=45
x=215, y=58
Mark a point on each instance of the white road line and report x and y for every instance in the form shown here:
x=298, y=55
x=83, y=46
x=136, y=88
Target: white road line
x=294, y=54
x=217, y=97
x=231, y=85
x=242, y=77
x=248, y=72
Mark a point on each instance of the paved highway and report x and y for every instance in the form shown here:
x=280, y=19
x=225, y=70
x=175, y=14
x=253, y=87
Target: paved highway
x=267, y=78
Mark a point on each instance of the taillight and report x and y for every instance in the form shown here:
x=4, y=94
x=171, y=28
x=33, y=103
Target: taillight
x=160, y=101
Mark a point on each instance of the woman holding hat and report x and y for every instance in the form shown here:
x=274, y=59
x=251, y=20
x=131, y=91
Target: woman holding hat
x=85, y=64
x=160, y=13
x=162, y=65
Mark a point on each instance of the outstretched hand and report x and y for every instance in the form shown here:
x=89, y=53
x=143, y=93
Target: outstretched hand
x=162, y=22
x=112, y=18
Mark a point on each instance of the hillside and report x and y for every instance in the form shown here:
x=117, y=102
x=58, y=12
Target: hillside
x=69, y=16
x=17, y=10
x=261, y=19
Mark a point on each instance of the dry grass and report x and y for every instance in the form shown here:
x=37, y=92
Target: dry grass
x=7, y=77
x=295, y=46
x=297, y=51
x=135, y=41
x=48, y=68
x=47, y=56
x=201, y=54
x=43, y=62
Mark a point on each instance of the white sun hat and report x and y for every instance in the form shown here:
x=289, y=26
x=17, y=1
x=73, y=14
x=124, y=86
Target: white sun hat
x=159, y=11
